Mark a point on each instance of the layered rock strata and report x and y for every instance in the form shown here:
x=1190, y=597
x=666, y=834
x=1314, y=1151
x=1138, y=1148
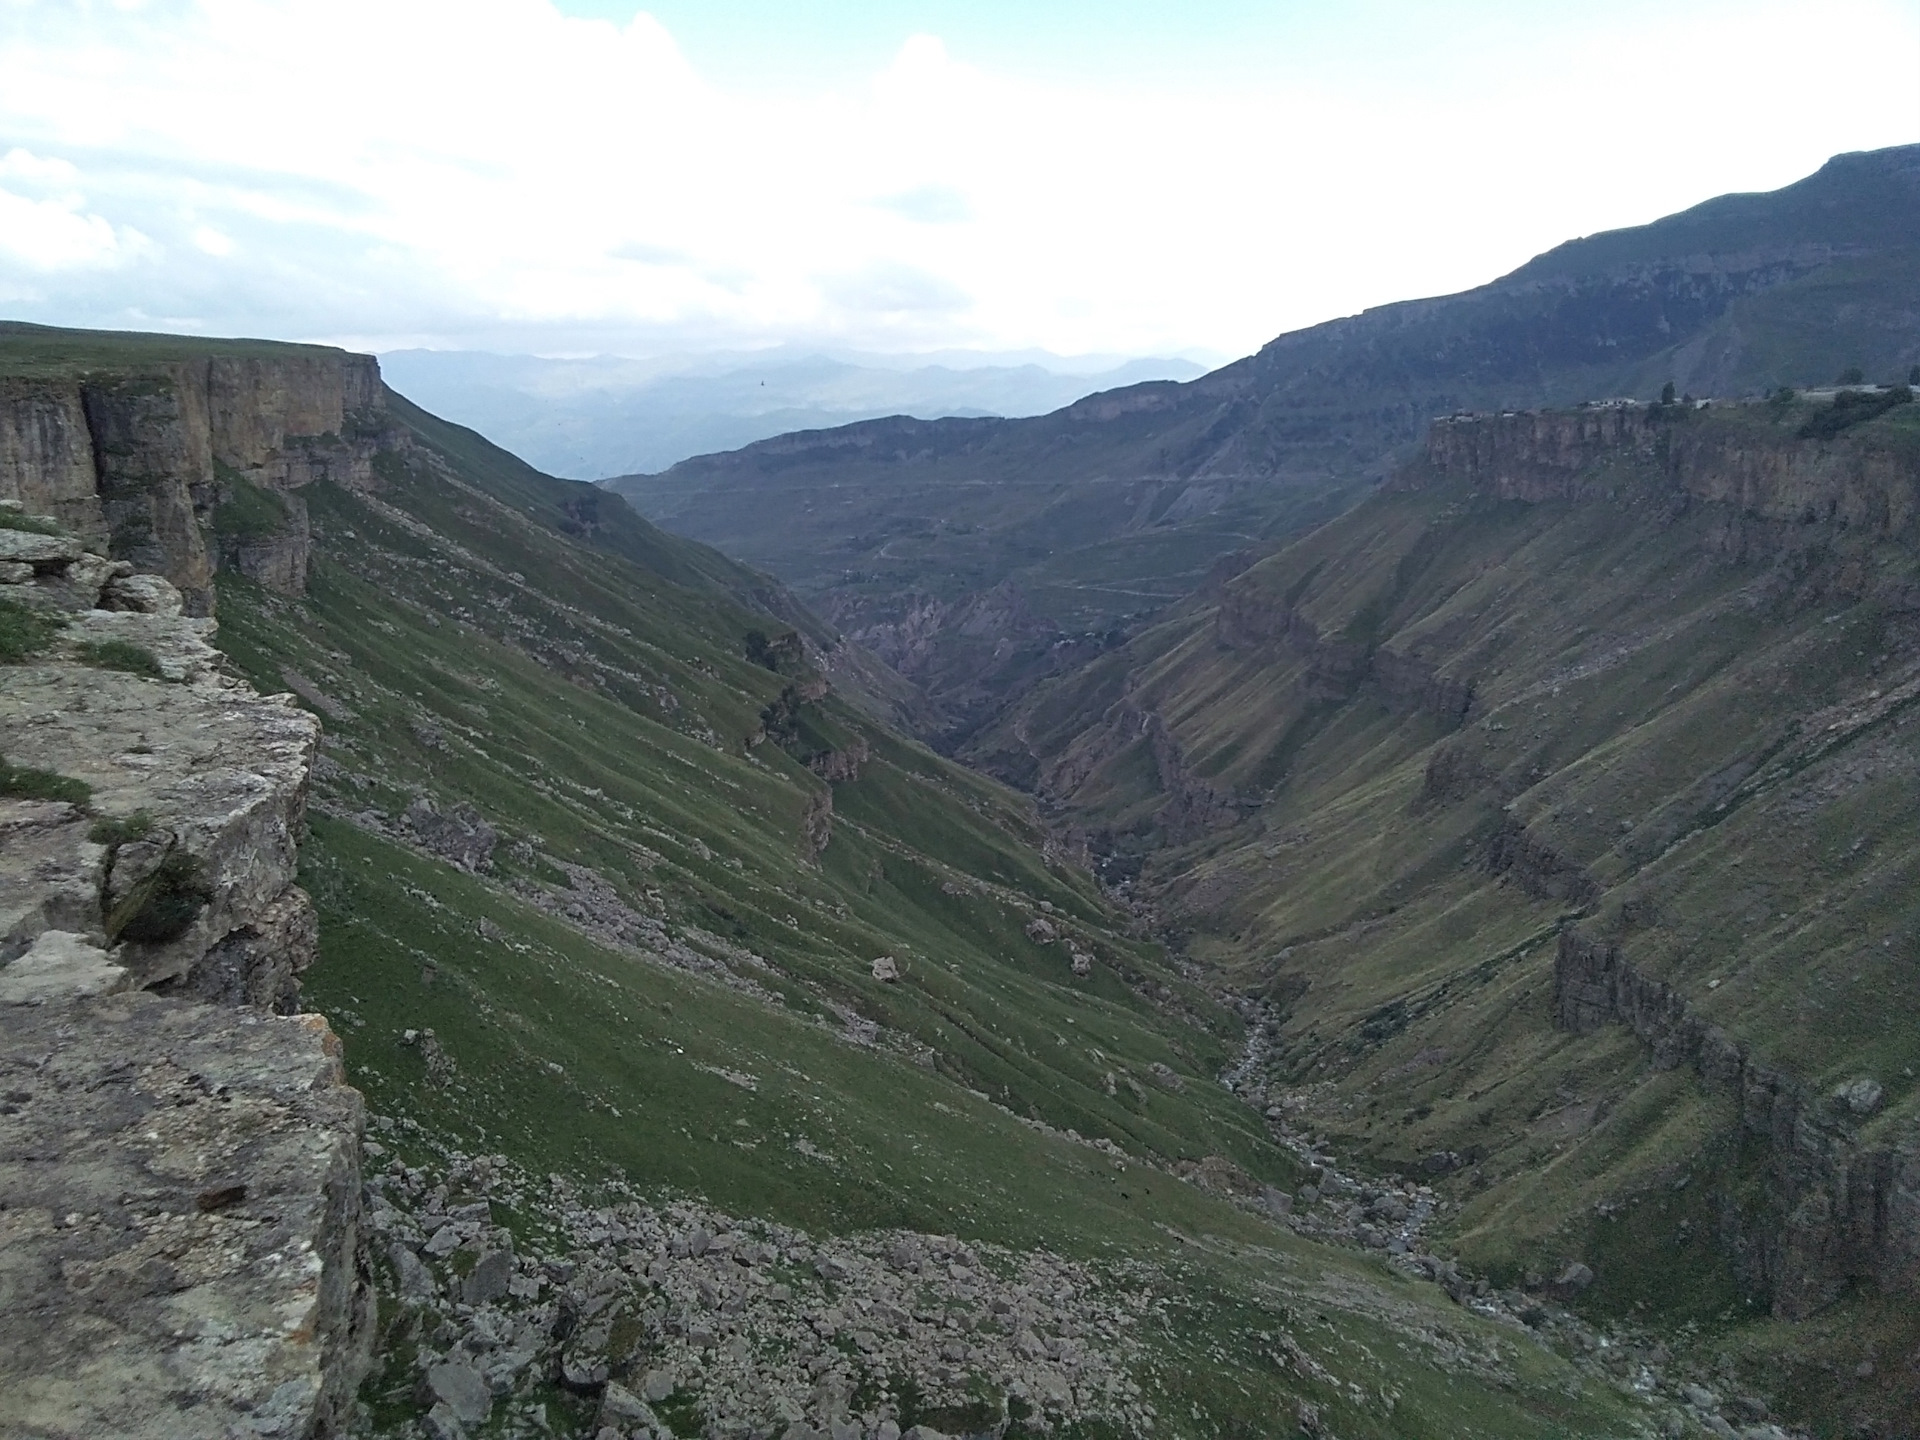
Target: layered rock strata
x=180, y=1245
x=1839, y=1209
x=181, y=467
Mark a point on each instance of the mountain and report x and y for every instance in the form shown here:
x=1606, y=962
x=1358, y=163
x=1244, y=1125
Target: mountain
x=1555, y=803
x=592, y=418
x=735, y=1064
x=1104, y=512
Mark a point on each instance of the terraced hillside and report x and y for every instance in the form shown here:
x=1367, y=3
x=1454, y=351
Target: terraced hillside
x=1557, y=803
x=738, y=1066
x=980, y=555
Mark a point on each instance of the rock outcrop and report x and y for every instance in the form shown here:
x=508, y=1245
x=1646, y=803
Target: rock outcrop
x=1772, y=476
x=1338, y=668
x=1837, y=1210
x=183, y=466
x=180, y=1245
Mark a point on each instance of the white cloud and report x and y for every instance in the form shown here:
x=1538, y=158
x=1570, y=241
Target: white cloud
x=490, y=172
x=52, y=235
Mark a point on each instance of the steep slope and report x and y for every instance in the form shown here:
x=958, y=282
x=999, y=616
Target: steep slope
x=1117, y=505
x=1556, y=802
x=738, y=1066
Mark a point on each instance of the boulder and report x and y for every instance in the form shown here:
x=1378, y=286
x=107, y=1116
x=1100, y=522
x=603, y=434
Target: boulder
x=489, y=1278
x=1859, y=1097
x=887, y=969
x=458, y=1386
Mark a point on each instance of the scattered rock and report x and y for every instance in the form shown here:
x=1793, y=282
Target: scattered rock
x=458, y=1386
x=886, y=968
x=1574, y=1279
x=1860, y=1097
x=489, y=1278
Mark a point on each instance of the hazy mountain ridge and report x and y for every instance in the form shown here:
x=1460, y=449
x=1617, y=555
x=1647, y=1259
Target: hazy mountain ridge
x=593, y=418
x=1121, y=502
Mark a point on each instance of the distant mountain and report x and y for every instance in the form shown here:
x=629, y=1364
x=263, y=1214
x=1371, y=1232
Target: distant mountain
x=605, y=415
x=1110, y=508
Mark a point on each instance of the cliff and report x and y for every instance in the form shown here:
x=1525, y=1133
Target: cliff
x=1724, y=456
x=181, y=465
x=1835, y=1210
x=180, y=1242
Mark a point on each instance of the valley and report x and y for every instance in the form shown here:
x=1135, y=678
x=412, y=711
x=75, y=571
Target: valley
x=1369, y=894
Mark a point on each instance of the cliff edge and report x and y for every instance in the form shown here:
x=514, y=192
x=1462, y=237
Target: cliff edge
x=180, y=1240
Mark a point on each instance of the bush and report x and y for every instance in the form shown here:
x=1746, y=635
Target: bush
x=114, y=832
x=25, y=632
x=17, y=782
x=122, y=655
x=1853, y=375
x=1853, y=407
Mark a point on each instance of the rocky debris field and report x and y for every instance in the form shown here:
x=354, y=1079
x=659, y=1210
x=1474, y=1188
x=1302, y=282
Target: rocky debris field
x=524, y=1307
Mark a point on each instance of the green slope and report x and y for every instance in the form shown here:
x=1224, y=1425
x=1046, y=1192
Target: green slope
x=662, y=975
x=1689, y=738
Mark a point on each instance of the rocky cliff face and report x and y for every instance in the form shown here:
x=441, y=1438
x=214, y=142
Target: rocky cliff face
x=1767, y=474
x=180, y=1245
x=1837, y=1209
x=1337, y=667
x=182, y=467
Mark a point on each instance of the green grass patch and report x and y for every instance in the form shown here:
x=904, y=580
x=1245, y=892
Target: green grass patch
x=122, y=655
x=11, y=519
x=20, y=782
x=26, y=632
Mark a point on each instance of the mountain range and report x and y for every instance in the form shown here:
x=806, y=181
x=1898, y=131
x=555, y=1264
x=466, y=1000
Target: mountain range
x=1074, y=524
x=595, y=417
x=1371, y=893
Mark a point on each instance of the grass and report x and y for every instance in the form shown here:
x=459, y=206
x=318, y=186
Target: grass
x=19, y=782
x=1650, y=707
x=121, y=655
x=11, y=519
x=595, y=712
x=246, y=511
x=26, y=632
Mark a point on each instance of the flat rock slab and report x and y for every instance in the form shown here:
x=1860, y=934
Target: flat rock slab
x=179, y=1217
x=207, y=760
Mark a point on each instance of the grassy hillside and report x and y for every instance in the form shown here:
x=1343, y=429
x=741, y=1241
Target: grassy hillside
x=655, y=962
x=1689, y=738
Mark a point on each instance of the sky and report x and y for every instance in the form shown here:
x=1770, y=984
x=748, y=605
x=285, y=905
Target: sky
x=1185, y=177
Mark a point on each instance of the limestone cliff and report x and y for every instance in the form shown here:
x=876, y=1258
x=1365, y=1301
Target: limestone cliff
x=180, y=1242
x=185, y=465
x=1837, y=1209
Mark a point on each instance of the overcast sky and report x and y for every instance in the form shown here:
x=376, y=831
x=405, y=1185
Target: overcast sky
x=1189, y=176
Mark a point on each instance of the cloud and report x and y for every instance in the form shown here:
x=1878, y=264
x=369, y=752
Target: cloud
x=893, y=290
x=493, y=173
x=49, y=236
x=929, y=205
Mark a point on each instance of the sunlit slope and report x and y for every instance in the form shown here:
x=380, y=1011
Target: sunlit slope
x=662, y=972
x=1378, y=779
